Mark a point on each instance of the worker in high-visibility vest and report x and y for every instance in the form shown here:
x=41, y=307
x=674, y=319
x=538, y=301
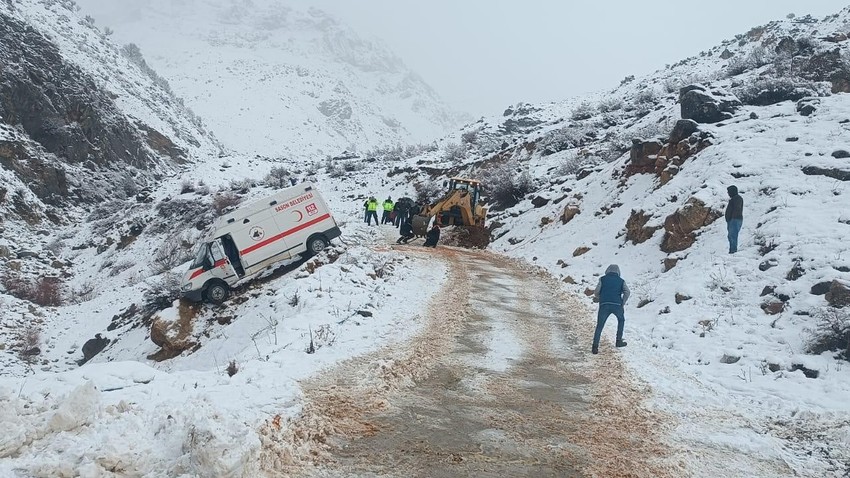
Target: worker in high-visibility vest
x=371, y=211
x=388, y=210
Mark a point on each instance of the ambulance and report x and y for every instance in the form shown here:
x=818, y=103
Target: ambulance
x=294, y=222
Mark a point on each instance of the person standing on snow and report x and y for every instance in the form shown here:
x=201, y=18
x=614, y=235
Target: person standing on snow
x=388, y=210
x=734, y=217
x=371, y=211
x=366, y=211
x=611, y=293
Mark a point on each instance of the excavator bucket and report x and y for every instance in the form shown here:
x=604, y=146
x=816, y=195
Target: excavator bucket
x=420, y=225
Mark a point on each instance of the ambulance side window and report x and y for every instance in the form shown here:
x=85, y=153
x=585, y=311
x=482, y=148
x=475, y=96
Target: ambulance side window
x=216, y=252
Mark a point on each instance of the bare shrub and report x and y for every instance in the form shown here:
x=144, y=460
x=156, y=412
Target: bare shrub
x=574, y=163
x=454, y=153
x=469, y=137
x=45, y=291
x=277, y=178
x=506, y=184
x=170, y=254
x=294, y=300
x=187, y=186
x=610, y=105
x=223, y=202
x=84, y=293
x=832, y=333
x=30, y=343
x=757, y=58
x=647, y=96
x=120, y=267
x=162, y=292
x=324, y=336
x=769, y=91
x=583, y=111
x=427, y=191
x=242, y=185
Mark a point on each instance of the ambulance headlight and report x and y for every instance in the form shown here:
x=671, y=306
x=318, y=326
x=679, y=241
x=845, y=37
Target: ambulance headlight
x=187, y=287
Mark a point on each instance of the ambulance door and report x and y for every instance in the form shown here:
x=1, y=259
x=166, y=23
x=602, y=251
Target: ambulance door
x=222, y=268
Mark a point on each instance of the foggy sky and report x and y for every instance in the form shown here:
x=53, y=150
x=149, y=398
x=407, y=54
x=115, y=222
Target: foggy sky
x=483, y=55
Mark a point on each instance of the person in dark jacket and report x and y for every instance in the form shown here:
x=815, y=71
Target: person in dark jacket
x=406, y=231
x=734, y=217
x=432, y=237
x=612, y=294
x=366, y=211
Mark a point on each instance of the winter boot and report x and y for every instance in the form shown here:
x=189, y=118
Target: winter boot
x=621, y=343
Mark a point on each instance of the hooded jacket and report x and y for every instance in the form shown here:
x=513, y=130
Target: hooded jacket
x=612, y=289
x=735, y=208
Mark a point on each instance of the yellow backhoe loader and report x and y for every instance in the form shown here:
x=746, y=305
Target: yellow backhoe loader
x=460, y=206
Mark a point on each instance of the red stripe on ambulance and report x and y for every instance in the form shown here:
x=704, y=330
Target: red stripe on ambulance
x=285, y=233
x=200, y=271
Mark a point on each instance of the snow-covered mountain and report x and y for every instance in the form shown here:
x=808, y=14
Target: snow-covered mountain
x=275, y=78
x=743, y=351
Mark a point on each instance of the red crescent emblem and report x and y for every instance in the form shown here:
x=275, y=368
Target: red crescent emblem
x=300, y=215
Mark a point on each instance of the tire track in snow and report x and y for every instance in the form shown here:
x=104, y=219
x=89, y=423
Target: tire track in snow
x=435, y=407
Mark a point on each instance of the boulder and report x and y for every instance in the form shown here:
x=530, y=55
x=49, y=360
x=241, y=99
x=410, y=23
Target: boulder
x=569, y=213
x=704, y=106
x=580, y=251
x=729, y=359
x=682, y=298
x=540, y=201
x=836, y=37
x=173, y=335
x=681, y=226
x=841, y=154
x=821, y=288
x=773, y=306
x=670, y=263
x=636, y=229
x=93, y=347
x=683, y=130
x=644, y=153
x=839, y=294
x=807, y=106
x=768, y=264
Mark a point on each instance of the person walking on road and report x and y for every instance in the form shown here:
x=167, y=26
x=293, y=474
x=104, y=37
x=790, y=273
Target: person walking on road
x=388, y=210
x=611, y=293
x=734, y=217
x=372, y=211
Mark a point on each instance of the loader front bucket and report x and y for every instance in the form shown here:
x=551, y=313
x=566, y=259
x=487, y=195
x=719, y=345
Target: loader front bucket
x=420, y=225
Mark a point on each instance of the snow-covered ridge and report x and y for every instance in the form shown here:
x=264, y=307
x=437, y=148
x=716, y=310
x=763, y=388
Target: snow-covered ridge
x=274, y=78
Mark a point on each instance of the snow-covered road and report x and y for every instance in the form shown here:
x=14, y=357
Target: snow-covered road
x=498, y=383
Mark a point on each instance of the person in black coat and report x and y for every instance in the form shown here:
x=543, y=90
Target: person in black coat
x=432, y=237
x=406, y=231
x=734, y=217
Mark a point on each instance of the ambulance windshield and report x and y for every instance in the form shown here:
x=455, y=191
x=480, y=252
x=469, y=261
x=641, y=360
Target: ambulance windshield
x=201, y=253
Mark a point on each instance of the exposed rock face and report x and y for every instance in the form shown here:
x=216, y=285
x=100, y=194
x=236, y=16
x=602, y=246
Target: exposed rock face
x=173, y=336
x=338, y=109
x=539, y=201
x=681, y=227
x=665, y=160
x=807, y=106
x=707, y=106
x=59, y=106
x=569, y=213
x=636, y=229
x=839, y=294
x=773, y=306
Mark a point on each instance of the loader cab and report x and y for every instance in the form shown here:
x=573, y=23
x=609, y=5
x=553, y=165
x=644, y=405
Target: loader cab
x=470, y=186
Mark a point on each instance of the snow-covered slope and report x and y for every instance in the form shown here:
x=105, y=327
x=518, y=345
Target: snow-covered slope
x=737, y=347
x=275, y=78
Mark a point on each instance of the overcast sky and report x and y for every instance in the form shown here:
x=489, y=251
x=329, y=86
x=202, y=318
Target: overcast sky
x=483, y=55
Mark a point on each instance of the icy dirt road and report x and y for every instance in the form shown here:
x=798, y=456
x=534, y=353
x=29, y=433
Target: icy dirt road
x=499, y=383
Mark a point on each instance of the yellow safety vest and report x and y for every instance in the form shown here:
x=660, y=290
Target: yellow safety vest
x=388, y=205
x=373, y=206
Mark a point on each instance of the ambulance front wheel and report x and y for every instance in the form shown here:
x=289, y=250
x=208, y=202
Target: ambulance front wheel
x=217, y=292
x=316, y=244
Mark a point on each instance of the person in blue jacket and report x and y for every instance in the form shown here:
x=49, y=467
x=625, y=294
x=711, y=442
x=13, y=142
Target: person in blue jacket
x=612, y=294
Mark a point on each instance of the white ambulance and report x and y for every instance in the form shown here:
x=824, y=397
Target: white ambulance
x=295, y=221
